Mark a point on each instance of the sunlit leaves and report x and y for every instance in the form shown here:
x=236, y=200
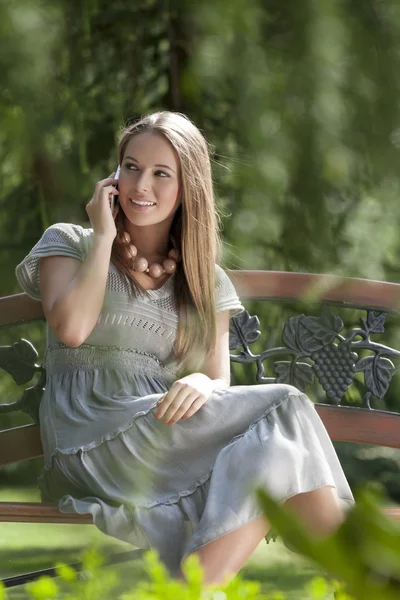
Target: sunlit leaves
x=364, y=552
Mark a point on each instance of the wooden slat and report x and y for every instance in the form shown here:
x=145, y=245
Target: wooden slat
x=35, y=512
x=20, y=443
x=280, y=285
x=19, y=308
x=392, y=513
x=362, y=426
x=258, y=285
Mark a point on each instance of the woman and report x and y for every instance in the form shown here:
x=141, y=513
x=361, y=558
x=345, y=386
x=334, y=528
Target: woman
x=140, y=426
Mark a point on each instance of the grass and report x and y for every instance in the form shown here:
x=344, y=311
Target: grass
x=26, y=547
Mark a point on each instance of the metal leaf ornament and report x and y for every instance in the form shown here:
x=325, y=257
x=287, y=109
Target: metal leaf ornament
x=243, y=330
x=378, y=373
x=19, y=361
x=31, y=398
x=374, y=323
x=298, y=374
x=309, y=334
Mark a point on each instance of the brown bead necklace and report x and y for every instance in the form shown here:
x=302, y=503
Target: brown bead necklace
x=141, y=265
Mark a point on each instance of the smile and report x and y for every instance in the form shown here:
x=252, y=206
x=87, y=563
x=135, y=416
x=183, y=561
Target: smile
x=140, y=203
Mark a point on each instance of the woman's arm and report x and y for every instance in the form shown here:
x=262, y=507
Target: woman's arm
x=188, y=394
x=72, y=292
x=217, y=367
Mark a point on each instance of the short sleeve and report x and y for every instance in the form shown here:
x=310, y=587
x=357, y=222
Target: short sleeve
x=226, y=297
x=61, y=239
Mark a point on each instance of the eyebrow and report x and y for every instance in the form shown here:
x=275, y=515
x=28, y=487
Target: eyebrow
x=164, y=166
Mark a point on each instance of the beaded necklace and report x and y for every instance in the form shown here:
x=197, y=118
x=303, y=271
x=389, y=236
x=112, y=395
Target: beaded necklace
x=141, y=265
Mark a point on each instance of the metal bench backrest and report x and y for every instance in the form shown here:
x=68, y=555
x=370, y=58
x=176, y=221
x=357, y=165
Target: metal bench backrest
x=316, y=348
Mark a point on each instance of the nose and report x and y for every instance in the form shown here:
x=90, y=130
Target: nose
x=142, y=182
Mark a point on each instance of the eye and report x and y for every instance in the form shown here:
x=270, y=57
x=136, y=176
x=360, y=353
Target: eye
x=131, y=167
x=161, y=174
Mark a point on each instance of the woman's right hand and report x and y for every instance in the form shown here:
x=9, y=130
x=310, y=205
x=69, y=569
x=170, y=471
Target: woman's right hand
x=99, y=207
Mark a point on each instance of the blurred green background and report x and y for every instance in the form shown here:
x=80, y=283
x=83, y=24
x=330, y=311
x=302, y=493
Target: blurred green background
x=300, y=102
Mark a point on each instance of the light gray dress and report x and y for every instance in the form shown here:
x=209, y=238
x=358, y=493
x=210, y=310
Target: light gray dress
x=169, y=487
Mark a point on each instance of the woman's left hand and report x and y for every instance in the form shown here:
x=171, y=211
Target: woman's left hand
x=185, y=397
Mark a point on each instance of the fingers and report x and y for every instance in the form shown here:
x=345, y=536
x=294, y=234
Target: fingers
x=197, y=404
x=112, y=189
x=180, y=412
x=170, y=405
x=106, y=186
x=165, y=403
x=173, y=407
x=105, y=189
x=106, y=182
x=162, y=398
x=102, y=209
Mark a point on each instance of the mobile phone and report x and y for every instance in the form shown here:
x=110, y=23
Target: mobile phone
x=115, y=197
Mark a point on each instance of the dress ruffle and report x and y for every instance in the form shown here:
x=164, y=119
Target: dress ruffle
x=161, y=486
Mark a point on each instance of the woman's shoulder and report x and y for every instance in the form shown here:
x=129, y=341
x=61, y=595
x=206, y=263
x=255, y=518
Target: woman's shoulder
x=59, y=239
x=72, y=229
x=225, y=293
x=71, y=234
x=219, y=272
x=221, y=276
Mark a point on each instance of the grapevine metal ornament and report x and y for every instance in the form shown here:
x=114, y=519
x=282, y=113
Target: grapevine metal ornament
x=318, y=349
x=316, y=346
x=19, y=360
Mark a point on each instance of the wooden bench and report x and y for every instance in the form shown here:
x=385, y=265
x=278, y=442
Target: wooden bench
x=316, y=349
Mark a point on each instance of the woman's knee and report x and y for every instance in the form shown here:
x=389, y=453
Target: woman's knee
x=286, y=389
x=320, y=508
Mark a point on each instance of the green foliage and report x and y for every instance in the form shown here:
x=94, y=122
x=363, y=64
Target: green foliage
x=300, y=106
x=43, y=588
x=308, y=129
x=362, y=562
x=364, y=553
x=99, y=583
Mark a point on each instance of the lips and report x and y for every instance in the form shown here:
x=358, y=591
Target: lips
x=142, y=200
x=141, y=207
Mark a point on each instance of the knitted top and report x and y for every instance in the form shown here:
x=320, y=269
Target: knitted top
x=147, y=322
x=134, y=334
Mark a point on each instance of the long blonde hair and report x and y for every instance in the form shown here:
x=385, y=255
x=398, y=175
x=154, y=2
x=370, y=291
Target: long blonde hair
x=196, y=231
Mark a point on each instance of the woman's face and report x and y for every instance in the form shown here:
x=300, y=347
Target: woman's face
x=149, y=180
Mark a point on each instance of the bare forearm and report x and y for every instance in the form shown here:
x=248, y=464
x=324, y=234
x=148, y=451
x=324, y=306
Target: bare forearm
x=77, y=310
